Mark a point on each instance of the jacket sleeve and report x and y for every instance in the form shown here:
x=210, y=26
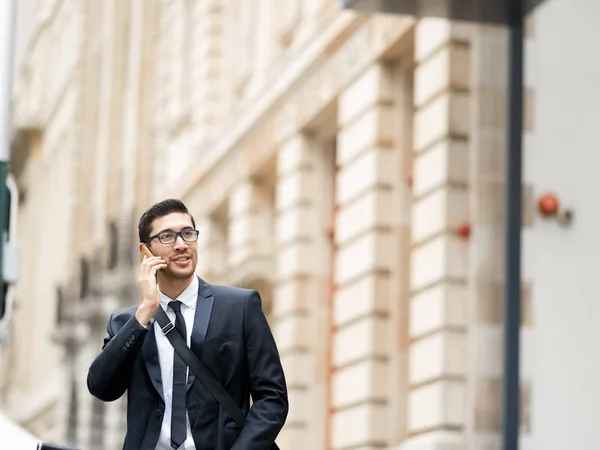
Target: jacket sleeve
x=267, y=381
x=109, y=375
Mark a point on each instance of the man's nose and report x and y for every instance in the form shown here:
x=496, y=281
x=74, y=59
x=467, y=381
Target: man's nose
x=179, y=242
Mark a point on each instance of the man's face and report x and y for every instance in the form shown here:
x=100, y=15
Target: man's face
x=181, y=256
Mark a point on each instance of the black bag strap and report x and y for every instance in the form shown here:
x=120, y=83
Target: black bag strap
x=199, y=369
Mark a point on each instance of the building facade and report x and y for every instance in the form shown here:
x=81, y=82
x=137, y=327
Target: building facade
x=349, y=166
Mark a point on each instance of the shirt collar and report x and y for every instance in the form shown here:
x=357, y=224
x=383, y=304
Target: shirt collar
x=188, y=297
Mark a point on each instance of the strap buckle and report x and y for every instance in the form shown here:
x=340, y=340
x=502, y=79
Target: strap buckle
x=168, y=328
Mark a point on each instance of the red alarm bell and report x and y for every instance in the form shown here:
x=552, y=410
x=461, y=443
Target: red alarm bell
x=548, y=205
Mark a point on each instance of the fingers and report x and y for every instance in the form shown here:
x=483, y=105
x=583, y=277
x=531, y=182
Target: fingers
x=148, y=263
x=156, y=268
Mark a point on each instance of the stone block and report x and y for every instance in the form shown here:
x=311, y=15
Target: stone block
x=443, y=210
x=363, y=424
x=375, y=128
x=436, y=440
x=368, y=211
x=298, y=367
x=300, y=407
x=365, y=381
x=492, y=107
x=295, y=224
x=431, y=34
x=448, y=69
x=298, y=187
x=441, y=306
x=293, y=437
x=372, y=169
x=441, y=259
x=372, y=88
x=369, y=253
x=488, y=404
x=443, y=354
x=365, y=296
x=291, y=334
x=447, y=162
x=298, y=260
x=486, y=348
x=246, y=198
x=242, y=230
x=436, y=405
x=294, y=296
x=446, y=116
x=295, y=154
x=364, y=339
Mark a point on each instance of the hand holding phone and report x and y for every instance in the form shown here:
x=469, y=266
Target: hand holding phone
x=148, y=284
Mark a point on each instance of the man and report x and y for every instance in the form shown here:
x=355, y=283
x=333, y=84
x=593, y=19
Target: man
x=167, y=407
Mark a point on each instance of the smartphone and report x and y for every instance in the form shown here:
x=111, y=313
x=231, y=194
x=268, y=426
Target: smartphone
x=146, y=252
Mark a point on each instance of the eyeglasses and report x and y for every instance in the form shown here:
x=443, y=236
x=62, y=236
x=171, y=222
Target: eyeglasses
x=169, y=237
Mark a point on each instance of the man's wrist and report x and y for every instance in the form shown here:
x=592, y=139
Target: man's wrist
x=144, y=315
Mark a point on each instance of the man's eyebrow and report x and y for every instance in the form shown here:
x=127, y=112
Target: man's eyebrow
x=187, y=227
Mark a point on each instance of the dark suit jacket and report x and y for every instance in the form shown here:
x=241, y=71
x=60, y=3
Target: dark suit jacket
x=232, y=338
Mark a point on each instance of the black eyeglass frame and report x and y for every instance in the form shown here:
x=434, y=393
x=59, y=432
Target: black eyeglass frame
x=177, y=234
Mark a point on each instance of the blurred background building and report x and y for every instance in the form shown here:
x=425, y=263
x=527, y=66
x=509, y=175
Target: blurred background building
x=349, y=166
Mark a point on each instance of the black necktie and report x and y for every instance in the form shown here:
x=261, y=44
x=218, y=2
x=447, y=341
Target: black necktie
x=178, y=420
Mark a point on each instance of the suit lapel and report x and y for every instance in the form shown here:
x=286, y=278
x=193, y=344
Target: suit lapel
x=201, y=321
x=150, y=352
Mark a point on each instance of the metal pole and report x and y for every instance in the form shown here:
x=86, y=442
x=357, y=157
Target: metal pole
x=513, y=212
x=7, y=20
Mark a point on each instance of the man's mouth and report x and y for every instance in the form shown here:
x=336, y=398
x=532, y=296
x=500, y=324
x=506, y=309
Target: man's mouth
x=181, y=260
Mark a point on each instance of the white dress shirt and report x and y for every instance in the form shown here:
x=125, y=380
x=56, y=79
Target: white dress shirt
x=166, y=353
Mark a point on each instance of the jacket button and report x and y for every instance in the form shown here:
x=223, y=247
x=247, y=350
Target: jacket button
x=124, y=349
x=132, y=337
x=159, y=411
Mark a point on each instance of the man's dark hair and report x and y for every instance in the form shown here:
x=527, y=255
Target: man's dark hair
x=159, y=210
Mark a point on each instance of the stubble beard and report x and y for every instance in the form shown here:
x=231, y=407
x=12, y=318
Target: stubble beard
x=178, y=275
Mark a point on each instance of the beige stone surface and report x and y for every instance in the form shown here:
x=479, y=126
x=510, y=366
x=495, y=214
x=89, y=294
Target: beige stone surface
x=362, y=382
x=439, y=355
x=374, y=128
x=359, y=425
x=438, y=404
x=370, y=89
x=294, y=146
x=366, y=338
x=443, y=306
x=367, y=295
x=368, y=253
x=444, y=117
x=440, y=259
x=447, y=69
x=443, y=210
x=445, y=163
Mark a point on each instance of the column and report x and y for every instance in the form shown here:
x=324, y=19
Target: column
x=365, y=263
x=212, y=247
x=207, y=78
x=250, y=249
x=300, y=300
x=106, y=88
x=439, y=255
x=487, y=172
x=128, y=171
